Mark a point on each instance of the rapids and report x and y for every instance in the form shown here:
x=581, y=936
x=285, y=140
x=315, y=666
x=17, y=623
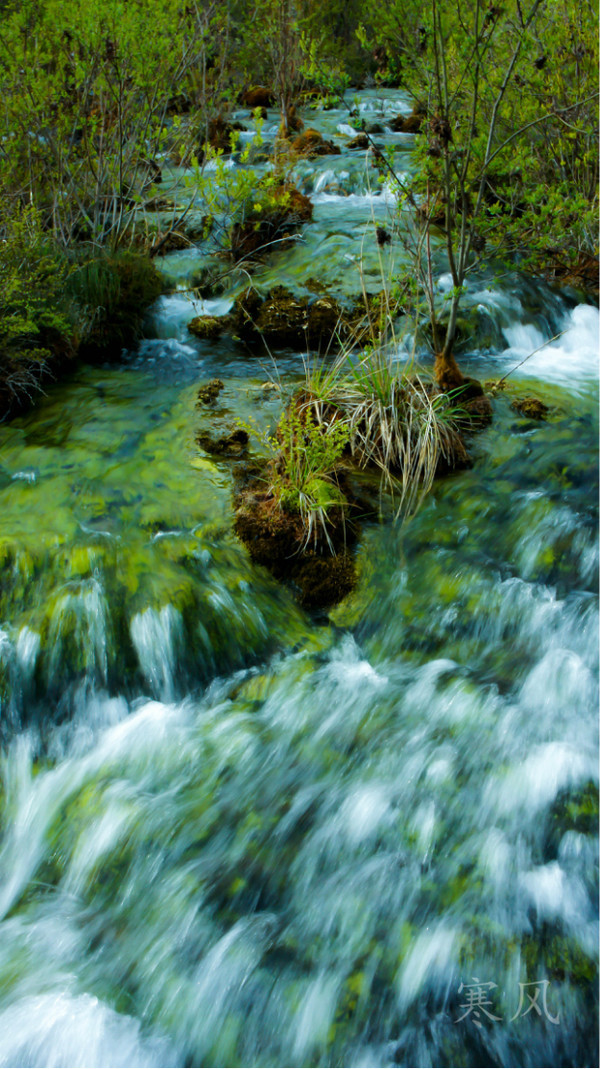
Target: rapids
x=233, y=834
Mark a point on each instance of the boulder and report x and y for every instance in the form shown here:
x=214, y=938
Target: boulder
x=282, y=319
x=311, y=144
x=360, y=141
x=412, y=124
x=258, y=96
x=207, y=327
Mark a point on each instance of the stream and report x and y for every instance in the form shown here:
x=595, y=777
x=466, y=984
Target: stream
x=235, y=834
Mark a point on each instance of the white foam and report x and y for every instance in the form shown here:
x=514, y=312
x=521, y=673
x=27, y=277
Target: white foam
x=79, y=1031
x=567, y=361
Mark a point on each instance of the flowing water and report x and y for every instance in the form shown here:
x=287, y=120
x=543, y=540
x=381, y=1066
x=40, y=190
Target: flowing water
x=234, y=834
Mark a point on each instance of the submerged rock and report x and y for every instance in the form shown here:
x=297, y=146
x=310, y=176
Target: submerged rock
x=530, y=407
x=209, y=392
x=232, y=444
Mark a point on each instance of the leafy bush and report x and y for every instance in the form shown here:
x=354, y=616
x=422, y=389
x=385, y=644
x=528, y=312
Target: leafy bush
x=113, y=292
x=38, y=321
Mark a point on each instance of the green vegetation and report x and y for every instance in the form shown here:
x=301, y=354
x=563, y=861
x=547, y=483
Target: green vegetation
x=304, y=478
x=396, y=421
x=112, y=292
x=359, y=412
x=507, y=154
x=104, y=101
x=36, y=318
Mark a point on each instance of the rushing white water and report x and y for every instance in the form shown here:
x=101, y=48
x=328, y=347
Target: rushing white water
x=571, y=360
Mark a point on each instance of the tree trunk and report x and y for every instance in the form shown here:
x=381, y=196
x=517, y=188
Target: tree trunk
x=447, y=372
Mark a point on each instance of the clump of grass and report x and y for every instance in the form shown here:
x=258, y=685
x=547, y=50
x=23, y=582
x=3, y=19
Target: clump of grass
x=113, y=290
x=302, y=474
x=305, y=473
x=396, y=420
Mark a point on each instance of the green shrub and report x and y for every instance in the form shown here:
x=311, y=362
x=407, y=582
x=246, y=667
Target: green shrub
x=303, y=477
x=38, y=320
x=113, y=293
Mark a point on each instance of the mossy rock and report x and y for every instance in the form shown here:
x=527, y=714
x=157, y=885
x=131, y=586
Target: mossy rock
x=232, y=444
x=257, y=96
x=277, y=539
x=281, y=319
x=530, y=407
x=207, y=327
x=325, y=581
x=311, y=144
x=209, y=392
x=118, y=288
x=361, y=141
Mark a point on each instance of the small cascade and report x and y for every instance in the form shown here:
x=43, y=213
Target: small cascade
x=79, y=635
x=157, y=636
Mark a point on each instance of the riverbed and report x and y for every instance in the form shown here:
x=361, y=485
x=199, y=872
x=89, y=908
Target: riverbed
x=237, y=834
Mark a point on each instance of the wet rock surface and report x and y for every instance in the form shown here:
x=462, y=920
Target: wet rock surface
x=311, y=144
x=282, y=319
x=276, y=539
x=207, y=327
x=232, y=444
x=530, y=407
x=209, y=392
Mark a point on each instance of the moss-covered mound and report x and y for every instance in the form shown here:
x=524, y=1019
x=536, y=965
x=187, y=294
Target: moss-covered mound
x=255, y=234
x=117, y=290
x=322, y=573
x=282, y=319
